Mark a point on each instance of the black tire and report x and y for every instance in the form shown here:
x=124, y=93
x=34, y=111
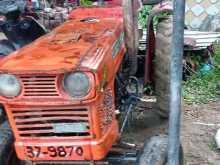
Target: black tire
x=162, y=65
x=7, y=153
x=2, y=115
x=155, y=152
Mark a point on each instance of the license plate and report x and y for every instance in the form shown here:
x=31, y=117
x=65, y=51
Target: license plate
x=34, y=152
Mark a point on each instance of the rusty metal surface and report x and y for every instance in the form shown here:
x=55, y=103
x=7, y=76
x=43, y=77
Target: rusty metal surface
x=73, y=44
x=106, y=111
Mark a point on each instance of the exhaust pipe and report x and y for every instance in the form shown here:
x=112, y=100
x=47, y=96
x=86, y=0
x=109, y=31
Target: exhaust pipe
x=175, y=82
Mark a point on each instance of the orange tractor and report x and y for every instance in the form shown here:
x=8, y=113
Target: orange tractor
x=62, y=94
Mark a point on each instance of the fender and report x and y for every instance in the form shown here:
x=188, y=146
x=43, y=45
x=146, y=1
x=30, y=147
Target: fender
x=150, y=48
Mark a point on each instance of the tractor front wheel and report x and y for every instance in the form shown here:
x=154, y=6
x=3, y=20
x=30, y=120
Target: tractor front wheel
x=155, y=152
x=162, y=64
x=7, y=152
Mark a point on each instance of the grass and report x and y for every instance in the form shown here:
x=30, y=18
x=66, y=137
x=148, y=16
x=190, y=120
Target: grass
x=204, y=88
x=85, y=2
x=144, y=13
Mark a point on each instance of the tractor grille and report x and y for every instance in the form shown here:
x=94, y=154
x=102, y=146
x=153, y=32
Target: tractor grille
x=39, y=86
x=51, y=122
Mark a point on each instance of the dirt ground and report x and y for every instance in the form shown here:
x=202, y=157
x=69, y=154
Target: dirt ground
x=199, y=126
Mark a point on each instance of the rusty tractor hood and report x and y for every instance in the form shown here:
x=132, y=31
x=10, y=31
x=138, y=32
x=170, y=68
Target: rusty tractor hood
x=75, y=44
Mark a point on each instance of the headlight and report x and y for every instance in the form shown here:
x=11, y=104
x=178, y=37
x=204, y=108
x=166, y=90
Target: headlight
x=9, y=86
x=76, y=84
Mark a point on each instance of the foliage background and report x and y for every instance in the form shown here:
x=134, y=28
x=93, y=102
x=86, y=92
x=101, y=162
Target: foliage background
x=203, y=88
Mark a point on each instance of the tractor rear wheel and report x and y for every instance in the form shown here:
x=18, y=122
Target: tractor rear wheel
x=155, y=152
x=162, y=64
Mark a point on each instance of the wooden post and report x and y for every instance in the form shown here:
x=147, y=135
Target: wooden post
x=130, y=11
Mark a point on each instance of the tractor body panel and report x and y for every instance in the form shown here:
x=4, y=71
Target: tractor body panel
x=77, y=43
x=97, y=12
x=49, y=124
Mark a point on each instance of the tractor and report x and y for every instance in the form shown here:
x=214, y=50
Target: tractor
x=68, y=95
